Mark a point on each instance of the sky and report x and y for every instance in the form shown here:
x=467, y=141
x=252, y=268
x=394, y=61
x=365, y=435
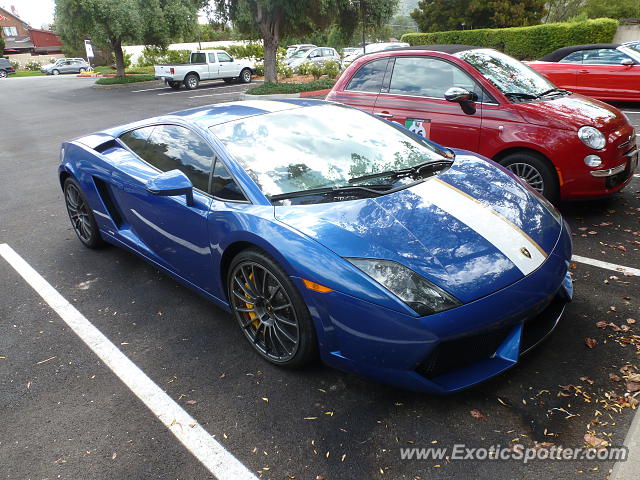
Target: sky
x=35, y=12
x=39, y=12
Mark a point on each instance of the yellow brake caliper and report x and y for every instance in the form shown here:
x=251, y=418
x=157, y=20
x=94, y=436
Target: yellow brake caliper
x=252, y=315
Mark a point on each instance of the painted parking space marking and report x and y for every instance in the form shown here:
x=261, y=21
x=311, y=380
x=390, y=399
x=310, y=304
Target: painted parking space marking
x=606, y=265
x=217, y=94
x=149, y=89
x=215, y=458
x=217, y=88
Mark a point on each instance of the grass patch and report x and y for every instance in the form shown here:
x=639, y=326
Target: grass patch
x=127, y=79
x=26, y=74
x=282, y=87
x=103, y=70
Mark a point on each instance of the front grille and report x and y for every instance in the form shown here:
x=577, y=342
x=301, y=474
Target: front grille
x=617, y=179
x=452, y=355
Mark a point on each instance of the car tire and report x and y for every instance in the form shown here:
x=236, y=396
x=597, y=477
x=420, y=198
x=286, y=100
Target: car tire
x=82, y=70
x=245, y=76
x=191, y=81
x=534, y=170
x=3, y=74
x=174, y=85
x=81, y=216
x=55, y=71
x=286, y=338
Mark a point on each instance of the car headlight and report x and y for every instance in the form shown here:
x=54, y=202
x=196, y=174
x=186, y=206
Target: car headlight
x=592, y=137
x=417, y=292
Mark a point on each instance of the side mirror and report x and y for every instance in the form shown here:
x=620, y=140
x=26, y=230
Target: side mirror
x=459, y=95
x=464, y=97
x=231, y=59
x=171, y=183
x=627, y=62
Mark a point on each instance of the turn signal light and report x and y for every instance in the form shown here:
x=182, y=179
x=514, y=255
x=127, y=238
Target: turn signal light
x=316, y=287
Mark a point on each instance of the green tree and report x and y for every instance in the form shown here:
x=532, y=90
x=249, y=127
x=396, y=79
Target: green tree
x=273, y=20
x=113, y=23
x=401, y=24
x=1, y=45
x=439, y=15
x=562, y=10
x=612, y=9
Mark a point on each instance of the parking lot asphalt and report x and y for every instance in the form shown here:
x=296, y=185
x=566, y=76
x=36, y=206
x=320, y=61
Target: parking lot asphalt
x=65, y=415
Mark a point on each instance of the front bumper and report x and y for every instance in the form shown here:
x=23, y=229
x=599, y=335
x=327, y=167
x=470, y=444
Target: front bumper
x=451, y=350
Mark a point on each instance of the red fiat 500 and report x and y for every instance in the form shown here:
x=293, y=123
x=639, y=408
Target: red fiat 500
x=563, y=144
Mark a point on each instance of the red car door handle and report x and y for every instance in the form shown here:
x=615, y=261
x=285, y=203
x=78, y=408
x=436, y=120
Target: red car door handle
x=384, y=115
x=583, y=71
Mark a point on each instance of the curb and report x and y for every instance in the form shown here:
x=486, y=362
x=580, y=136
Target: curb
x=276, y=96
x=628, y=470
x=121, y=85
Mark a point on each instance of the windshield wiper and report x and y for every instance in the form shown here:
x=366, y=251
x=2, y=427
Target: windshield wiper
x=405, y=172
x=521, y=95
x=554, y=90
x=375, y=190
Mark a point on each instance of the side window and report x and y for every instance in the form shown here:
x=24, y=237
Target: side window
x=427, y=77
x=327, y=52
x=172, y=147
x=223, y=186
x=369, y=77
x=198, y=57
x=604, y=56
x=212, y=58
x=575, y=57
x=316, y=53
x=136, y=140
x=223, y=57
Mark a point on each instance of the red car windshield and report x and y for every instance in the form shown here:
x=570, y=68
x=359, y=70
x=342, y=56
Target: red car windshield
x=510, y=76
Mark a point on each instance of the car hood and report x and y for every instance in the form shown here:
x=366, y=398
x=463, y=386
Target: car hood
x=463, y=230
x=572, y=112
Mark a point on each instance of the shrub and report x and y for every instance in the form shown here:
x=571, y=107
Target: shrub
x=155, y=55
x=332, y=69
x=32, y=66
x=316, y=69
x=284, y=70
x=524, y=42
x=16, y=65
x=260, y=69
x=303, y=69
x=283, y=87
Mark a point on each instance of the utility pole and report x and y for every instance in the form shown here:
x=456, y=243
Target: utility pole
x=364, y=44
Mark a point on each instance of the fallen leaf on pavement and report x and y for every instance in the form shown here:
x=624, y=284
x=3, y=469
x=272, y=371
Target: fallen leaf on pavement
x=477, y=414
x=590, y=342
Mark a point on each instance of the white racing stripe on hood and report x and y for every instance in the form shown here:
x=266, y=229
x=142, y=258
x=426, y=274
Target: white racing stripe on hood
x=500, y=232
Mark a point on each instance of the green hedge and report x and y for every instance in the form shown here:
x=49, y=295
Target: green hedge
x=524, y=42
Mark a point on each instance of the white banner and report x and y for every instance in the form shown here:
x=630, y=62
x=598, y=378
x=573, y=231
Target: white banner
x=89, y=48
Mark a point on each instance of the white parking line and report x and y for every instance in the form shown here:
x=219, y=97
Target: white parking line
x=192, y=435
x=191, y=91
x=606, y=265
x=149, y=89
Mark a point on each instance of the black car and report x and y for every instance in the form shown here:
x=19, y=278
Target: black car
x=6, y=68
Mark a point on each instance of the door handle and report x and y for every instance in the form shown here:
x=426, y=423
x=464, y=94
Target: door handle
x=583, y=71
x=384, y=114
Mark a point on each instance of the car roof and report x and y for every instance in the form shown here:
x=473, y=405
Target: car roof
x=219, y=113
x=560, y=53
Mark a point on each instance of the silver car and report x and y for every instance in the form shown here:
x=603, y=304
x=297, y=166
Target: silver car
x=315, y=55
x=66, y=65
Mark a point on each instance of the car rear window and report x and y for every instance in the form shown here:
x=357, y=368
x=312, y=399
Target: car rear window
x=369, y=77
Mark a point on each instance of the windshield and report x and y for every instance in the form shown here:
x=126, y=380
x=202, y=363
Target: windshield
x=301, y=52
x=509, y=75
x=631, y=49
x=323, y=146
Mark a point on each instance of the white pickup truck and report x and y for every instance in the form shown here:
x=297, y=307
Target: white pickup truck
x=205, y=65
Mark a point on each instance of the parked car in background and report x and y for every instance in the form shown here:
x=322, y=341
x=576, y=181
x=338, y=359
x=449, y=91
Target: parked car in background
x=292, y=49
x=564, y=145
x=345, y=238
x=6, y=68
x=371, y=48
x=66, y=65
x=314, y=55
x=349, y=51
x=205, y=65
x=608, y=71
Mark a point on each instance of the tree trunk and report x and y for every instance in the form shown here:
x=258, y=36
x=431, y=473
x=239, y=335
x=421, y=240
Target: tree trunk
x=119, y=55
x=269, y=23
x=270, y=60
